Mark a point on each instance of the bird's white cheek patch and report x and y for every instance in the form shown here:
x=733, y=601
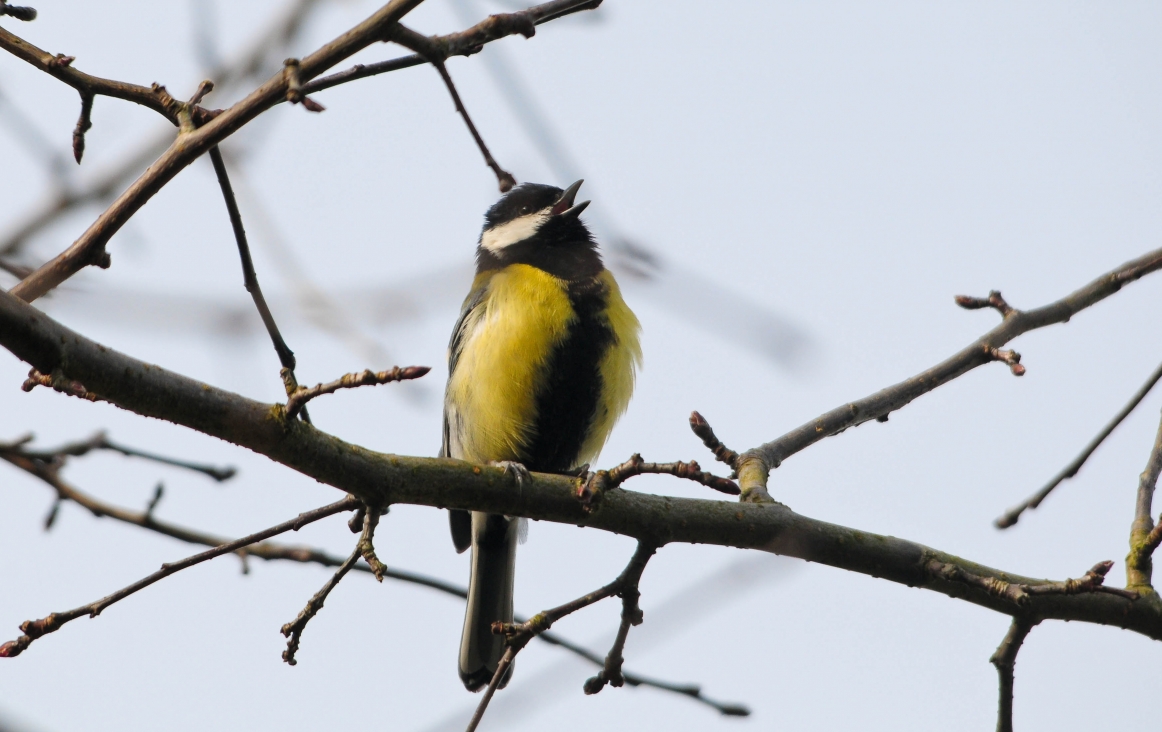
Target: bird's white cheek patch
x=513, y=232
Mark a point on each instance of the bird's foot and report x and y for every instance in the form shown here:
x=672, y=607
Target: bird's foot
x=512, y=468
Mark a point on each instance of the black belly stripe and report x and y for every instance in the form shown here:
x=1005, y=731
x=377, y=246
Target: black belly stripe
x=567, y=402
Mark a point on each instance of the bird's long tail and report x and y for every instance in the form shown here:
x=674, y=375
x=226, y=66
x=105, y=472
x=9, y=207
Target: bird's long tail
x=494, y=540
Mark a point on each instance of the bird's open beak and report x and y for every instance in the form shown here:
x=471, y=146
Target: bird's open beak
x=564, y=206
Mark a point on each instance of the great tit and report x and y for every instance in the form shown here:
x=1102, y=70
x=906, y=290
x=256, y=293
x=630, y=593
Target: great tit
x=541, y=364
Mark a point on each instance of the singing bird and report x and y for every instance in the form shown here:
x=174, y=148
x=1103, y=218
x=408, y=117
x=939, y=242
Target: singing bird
x=540, y=366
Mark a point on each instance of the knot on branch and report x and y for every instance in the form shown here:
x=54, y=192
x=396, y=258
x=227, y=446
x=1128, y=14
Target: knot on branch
x=994, y=301
x=58, y=382
x=294, y=87
x=1010, y=357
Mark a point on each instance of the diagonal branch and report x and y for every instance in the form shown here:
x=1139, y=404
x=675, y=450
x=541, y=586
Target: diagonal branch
x=34, y=629
x=1010, y=517
x=518, y=635
x=363, y=549
x=90, y=247
x=756, y=464
x=435, y=54
x=286, y=356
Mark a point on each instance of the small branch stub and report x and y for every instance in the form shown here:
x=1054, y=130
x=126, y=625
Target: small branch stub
x=994, y=301
x=703, y=430
x=294, y=88
x=1007, y=356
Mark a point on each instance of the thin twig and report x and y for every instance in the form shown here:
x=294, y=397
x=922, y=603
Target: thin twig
x=518, y=635
x=1019, y=594
x=631, y=614
x=596, y=484
x=297, y=400
x=1010, y=517
x=1005, y=659
x=1139, y=563
x=758, y=462
x=363, y=548
x=436, y=55
x=100, y=441
x=34, y=629
x=269, y=551
x=286, y=356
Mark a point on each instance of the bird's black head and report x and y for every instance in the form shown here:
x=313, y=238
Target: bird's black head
x=539, y=225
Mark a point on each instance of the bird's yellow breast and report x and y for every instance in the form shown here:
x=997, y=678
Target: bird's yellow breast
x=507, y=344
x=524, y=314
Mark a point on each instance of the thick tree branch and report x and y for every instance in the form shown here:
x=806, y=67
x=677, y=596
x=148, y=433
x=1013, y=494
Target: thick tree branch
x=380, y=479
x=755, y=464
x=34, y=629
x=1010, y=517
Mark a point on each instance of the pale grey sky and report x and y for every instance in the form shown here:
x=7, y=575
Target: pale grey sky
x=849, y=167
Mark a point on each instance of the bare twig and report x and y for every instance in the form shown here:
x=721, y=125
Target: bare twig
x=1010, y=517
x=89, y=248
x=84, y=123
x=463, y=43
x=702, y=429
x=596, y=484
x=249, y=63
x=298, y=399
x=34, y=629
x=755, y=464
x=436, y=55
x=1139, y=563
x=1019, y=593
x=518, y=635
x=286, y=356
x=631, y=614
x=100, y=441
x=1005, y=659
x=294, y=629
x=270, y=551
